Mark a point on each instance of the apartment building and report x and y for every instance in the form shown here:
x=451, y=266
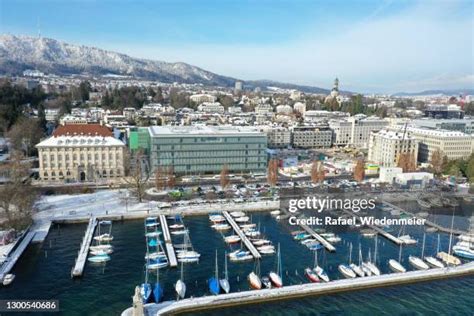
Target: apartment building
x=385, y=146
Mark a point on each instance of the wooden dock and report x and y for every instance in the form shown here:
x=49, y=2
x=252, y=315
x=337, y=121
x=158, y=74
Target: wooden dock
x=427, y=222
x=10, y=262
x=315, y=235
x=242, y=236
x=379, y=230
x=168, y=243
x=78, y=268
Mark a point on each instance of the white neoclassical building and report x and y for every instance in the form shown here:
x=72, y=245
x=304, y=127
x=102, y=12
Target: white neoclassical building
x=86, y=152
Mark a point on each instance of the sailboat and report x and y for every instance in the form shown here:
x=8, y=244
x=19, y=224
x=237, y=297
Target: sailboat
x=417, y=262
x=254, y=278
x=214, y=287
x=310, y=273
x=395, y=265
x=224, y=283
x=362, y=265
x=180, y=286
x=372, y=266
x=320, y=271
x=158, y=289
x=465, y=246
x=356, y=268
x=432, y=261
x=345, y=269
x=275, y=277
x=187, y=254
x=145, y=289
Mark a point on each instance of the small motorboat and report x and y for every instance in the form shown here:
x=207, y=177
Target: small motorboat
x=275, y=213
x=254, y=233
x=334, y=239
x=176, y=226
x=237, y=214
x=221, y=227
x=260, y=242
x=100, y=247
x=311, y=275
x=104, y=237
x=407, y=240
x=232, y=239
x=8, y=279
x=179, y=232
x=99, y=258
x=246, y=226
x=216, y=218
x=106, y=251
x=242, y=219
x=155, y=255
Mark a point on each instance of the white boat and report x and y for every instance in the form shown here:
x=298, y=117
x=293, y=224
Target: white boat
x=100, y=247
x=346, y=271
x=334, y=239
x=418, y=263
x=357, y=269
x=434, y=263
x=104, y=237
x=188, y=256
x=275, y=213
x=221, y=227
x=154, y=265
x=448, y=259
x=179, y=232
x=216, y=218
x=267, y=251
x=254, y=281
x=8, y=279
x=366, y=269
x=232, y=239
x=254, y=233
x=99, y=258
x=463, y=251
x=153, y=234
x=176, y=226
x=237, y=214
x=224, y=283
x=155, y=255
x=321, y=273
x=241, y=258
x=242, y=219
x=396, y=266
x=407, y=240
x=180, y=286
x=275, y=277
x=246, y=226
x=106, y=251
x=261, y=242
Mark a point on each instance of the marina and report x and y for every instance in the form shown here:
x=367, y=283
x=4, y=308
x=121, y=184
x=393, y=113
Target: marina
x=173, y=262
x=78, y=268
x=255, y=253
x=8, y=265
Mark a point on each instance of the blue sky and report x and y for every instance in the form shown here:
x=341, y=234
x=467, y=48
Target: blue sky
x=382, y=46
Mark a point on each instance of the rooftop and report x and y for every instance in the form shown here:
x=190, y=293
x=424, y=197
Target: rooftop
x=203, y=130
x=83, y=129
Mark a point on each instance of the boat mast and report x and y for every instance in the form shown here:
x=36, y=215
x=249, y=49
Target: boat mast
x=350, y=253
x=376, y=248
x=315, y=259
x=451, y=233
x=217, y=268
x=360, y=256
x=400, y=254
x=423, y=247
x=437, y=248
x=147, y=261
x=226, y=276
x=279, y=261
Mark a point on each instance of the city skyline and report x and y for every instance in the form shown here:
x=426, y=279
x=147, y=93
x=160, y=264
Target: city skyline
x=372, y=46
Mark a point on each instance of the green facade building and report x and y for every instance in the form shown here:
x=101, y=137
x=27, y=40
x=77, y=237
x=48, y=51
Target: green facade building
x=203, y=149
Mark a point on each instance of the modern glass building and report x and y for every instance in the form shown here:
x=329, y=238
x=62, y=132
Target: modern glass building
x=206, y=149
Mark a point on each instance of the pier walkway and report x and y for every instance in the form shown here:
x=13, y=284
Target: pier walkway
x=10, y=262
x=78, y=268
x=307, y=289
x=168, y=243
x=315, y=235
x=242, y=236
x=379, y=230
x=427, y=222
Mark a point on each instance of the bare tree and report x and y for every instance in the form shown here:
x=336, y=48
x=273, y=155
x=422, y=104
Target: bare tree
x=321, y=172
x=359, y=170
x=272, y=174
x=171, y=177
x=437, y=161
x=17, y=196
x=159, y=179
x=407, y=162
x=138, y=175
x=315, y=171
x=24, y=134
x=224, y=177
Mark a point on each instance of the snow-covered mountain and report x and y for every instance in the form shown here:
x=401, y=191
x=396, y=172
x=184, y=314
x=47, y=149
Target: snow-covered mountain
x=19, y=53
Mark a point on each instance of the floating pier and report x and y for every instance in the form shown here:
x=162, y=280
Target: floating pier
x=168, y=243
x=78, y=268
x=379, y=230
x=427, y=222
x=295, y=291
x=315, y=235
x=242, y=236
x=10, y=262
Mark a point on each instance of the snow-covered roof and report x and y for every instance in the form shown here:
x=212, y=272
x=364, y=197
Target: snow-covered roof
x=80, y=141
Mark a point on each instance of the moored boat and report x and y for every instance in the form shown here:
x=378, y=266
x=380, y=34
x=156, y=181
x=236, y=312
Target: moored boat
x=254, y=281
x=396, y=266
x=346, y=271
